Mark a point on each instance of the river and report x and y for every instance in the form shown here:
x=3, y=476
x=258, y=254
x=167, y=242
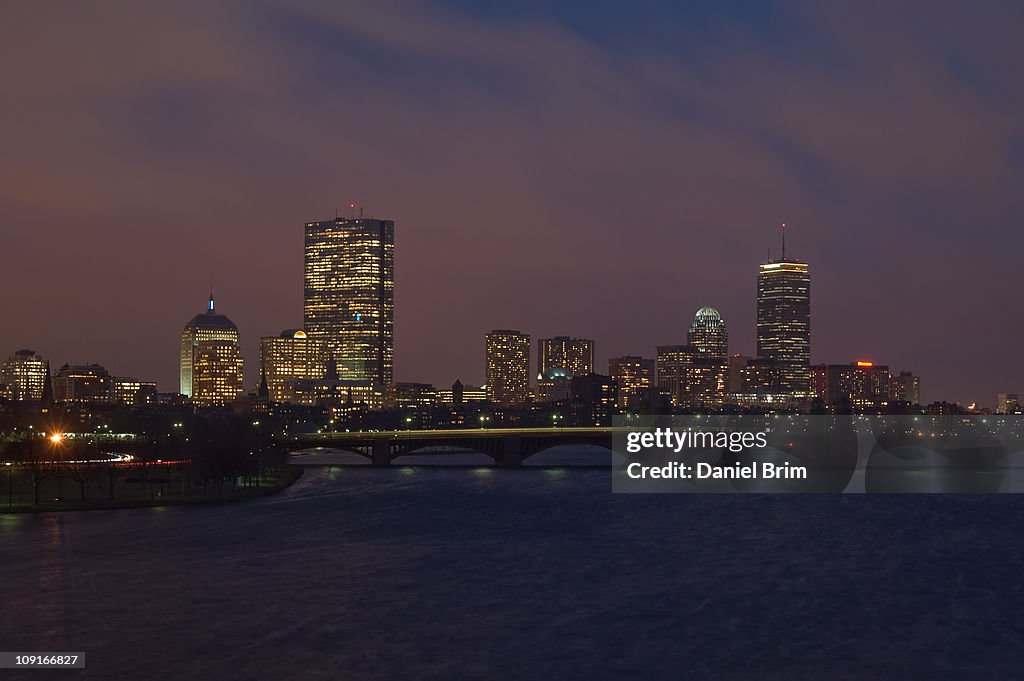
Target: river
x=447, y=573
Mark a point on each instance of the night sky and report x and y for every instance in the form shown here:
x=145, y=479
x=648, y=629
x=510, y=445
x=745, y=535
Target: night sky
x=589, y=168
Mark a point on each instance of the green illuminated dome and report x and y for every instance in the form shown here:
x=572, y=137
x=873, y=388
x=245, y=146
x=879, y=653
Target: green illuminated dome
x=707, y=318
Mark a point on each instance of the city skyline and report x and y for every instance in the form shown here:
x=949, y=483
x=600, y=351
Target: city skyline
x=337, y=338
x=706, y=327
x=717, y=126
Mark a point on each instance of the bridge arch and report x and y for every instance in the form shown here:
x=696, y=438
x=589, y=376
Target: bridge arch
x=542, y=448
x=507, y=447
x=363, y=453
x=434, y=451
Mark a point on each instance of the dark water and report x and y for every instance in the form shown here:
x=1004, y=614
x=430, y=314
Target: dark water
x=531, y=574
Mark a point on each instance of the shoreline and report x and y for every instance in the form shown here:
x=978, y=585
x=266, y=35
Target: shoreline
x=290, y=474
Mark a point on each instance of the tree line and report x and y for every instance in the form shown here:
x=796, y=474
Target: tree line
x=207, y=455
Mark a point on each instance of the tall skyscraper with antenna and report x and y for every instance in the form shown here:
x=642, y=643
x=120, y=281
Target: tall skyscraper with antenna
x=349, y=295
x=211, y=360
x=784, y=322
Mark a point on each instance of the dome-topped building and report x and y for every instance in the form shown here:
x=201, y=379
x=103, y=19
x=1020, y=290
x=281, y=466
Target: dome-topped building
x=708, y=335
x=707, y=316
x=707, y=374
x=211, y=359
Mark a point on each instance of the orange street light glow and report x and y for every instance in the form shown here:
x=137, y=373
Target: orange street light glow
x=56, y=438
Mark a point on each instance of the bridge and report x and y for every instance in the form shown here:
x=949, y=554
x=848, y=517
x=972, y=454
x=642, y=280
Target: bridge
x=508, y=447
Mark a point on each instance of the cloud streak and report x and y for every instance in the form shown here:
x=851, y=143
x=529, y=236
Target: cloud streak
x=542, y=176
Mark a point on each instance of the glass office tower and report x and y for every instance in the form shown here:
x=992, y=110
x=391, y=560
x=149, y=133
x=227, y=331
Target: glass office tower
x=508, y=367
x=784, y=324
x=349, y=296
x=211, y=359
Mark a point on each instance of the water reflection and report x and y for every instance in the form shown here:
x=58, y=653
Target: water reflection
x=477, y=572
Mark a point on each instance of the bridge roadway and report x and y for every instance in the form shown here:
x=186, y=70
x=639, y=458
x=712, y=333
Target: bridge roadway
x=508, y=447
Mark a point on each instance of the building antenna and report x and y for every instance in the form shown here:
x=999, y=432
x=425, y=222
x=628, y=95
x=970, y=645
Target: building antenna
x=352, y=210
x=783, y=228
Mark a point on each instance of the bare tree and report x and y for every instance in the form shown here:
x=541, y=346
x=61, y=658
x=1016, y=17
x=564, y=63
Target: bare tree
x=38, y=458
x=112, y=471
x=79, y=470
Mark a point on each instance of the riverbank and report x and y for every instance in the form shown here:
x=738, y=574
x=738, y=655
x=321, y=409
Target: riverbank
x=274, y=483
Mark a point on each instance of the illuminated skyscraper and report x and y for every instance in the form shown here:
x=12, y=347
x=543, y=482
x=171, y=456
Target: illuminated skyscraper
x=907, y=388
x=871, y=384
x=559, y=360
x=83, y=384
x=709, y=374
x=634, y=376
x=576, y=355
x=859, y=384
x=412, y=396
x=26, y=376
x=592, y=399
x=737, y=364
x=133, y=392
x=349, y=299
x=708, y=335
x=211, y=360
x=784, y=323
x=1006, y=403
x=705, y=382
x=460, y=394
x=759, y=381
x=288, y=359
x=674, y=362
x=508, y=367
